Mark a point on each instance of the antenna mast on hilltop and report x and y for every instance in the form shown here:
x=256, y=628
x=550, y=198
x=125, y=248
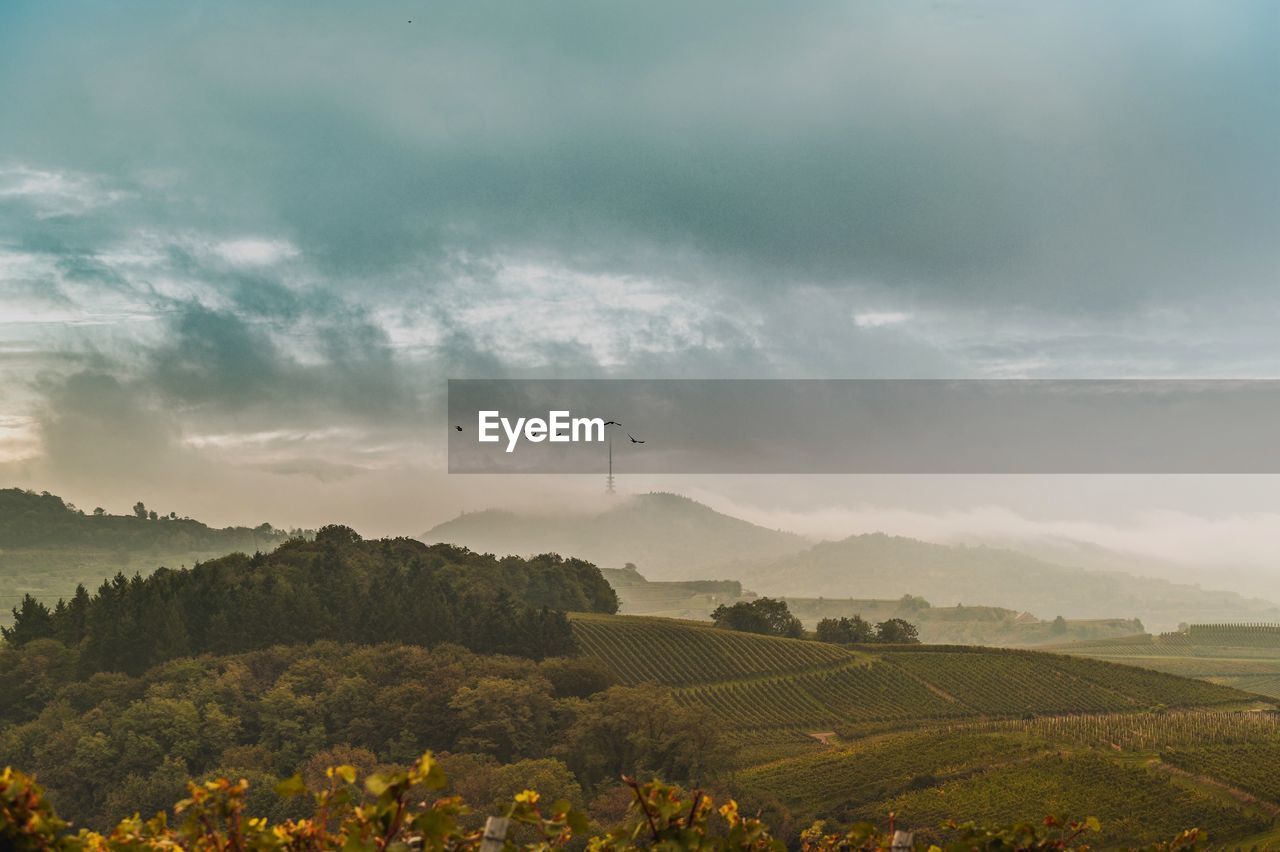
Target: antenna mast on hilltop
x=608, y=482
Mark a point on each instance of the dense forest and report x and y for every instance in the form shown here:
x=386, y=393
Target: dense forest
x=333, y=587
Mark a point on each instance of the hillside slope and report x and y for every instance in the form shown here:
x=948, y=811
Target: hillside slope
x=668, y=536
x=759, y=683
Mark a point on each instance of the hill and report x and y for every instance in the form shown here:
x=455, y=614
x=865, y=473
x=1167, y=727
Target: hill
x=48, y=546
x=760, y=683
x=882, y=566
x=337, y=587
x=668, y=536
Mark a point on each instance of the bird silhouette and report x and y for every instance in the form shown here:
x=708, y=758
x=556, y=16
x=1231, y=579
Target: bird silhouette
x=459, y=428
x=634, y=440
x=612, y=423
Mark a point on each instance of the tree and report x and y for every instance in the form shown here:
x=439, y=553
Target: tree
x=846, y=631
x=336, y=535
x=140, y=510
x=913, y=603
x=99, y=512
x=31, y=620
x=762, y=615
x=643, y=731
x=1059, y=626
x=152, y=514
x=897, y=631
x=509, y=719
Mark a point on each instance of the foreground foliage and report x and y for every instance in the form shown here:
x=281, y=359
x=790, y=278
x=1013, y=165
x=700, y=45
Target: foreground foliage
x=114, y=744
x=409, y=809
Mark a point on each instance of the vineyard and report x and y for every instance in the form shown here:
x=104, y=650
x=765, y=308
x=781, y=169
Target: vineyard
x=821, y=700
x=1144, y=732
x=1134, y=803
x=931, y=731
x=760, y=683
x=671, y=652
x=1243, y=656
x=1248, y=767
x=1139, y=772
x=880, y=767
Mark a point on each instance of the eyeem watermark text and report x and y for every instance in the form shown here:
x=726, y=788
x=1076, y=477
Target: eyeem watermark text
x=558, y=427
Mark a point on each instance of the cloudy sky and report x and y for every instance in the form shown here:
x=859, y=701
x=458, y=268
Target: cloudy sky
x=242, y=245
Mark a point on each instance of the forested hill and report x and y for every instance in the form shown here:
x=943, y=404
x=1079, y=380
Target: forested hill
x=31, y=520
x=335, y=587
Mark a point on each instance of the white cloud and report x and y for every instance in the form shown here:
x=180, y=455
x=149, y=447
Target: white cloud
x=525, y=311
x=254, y=251
x=56, y=193
x=879, y=319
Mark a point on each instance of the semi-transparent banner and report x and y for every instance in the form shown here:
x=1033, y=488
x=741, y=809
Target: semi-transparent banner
x=864, y=426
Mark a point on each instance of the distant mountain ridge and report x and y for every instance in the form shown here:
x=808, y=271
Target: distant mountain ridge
x=668, y=536
x=43, y=520
x=880, y=565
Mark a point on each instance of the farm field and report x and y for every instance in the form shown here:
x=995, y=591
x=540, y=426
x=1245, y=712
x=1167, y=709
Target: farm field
x=1245, y=657
x=930, y=731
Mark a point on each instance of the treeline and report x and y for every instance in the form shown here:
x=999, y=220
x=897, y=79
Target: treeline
x=336, y=586
x=772, y=617
x=114, y=744
x=857, y=631
x=30, y=519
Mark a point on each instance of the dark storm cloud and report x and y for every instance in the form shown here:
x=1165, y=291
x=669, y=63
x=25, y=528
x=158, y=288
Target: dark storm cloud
x=313, y=354
x=265, y=221
x=1082, y=156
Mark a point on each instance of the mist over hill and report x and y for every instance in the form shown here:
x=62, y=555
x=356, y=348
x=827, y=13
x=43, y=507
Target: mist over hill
x=879, y=565
x=48, y=546
x=668, y=536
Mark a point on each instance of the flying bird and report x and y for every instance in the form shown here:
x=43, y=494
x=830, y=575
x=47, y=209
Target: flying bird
x=459, y=428
x=612, y=423
x=634, y=440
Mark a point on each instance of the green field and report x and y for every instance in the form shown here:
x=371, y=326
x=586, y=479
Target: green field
x=929, y=732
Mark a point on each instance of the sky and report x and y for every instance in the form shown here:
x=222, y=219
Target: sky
x=243, y=245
